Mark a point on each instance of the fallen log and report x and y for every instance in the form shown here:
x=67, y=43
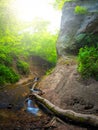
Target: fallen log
x=87, y=119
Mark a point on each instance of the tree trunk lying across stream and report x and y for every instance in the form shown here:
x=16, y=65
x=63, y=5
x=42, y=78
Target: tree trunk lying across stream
x=86, y=119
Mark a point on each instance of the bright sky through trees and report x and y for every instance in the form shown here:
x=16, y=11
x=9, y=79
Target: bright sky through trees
x=27, y=10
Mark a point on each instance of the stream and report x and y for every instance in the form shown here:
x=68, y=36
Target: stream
x=31, y=107
x=17, y=106
x=19, y=112
x=13, y=96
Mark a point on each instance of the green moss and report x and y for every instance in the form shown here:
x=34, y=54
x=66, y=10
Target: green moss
x=80, y=10
x=58, y=4
x=85, y=39
x=80, y=37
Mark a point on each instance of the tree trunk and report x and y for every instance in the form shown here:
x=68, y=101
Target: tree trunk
x=86, y=119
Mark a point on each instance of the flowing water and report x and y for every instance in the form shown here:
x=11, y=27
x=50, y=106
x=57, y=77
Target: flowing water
x=15, y=95
x=31, y=108
x=18, y=110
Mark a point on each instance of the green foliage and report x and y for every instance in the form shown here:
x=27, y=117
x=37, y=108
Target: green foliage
x=5, y=57
x=7, y=75
x=88, y=62
x=80, y=10
x=88, y=39
x=58, y=4
x=41, y=44
x=23, y=67
x=48, y=72
x=16, y=42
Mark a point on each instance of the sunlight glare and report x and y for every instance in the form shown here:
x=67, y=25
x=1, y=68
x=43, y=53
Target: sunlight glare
x=27, y=10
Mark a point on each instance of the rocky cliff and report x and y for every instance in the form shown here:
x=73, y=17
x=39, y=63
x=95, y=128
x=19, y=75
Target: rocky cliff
x=78, y=28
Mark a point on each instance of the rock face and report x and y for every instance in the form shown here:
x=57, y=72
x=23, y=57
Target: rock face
x=77, y=29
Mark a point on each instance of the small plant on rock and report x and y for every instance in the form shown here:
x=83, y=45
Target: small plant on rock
x=80, y=10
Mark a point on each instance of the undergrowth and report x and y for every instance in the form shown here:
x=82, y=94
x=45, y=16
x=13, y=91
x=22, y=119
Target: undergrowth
x=88, y=62
x=23, y=67
x=7, y=75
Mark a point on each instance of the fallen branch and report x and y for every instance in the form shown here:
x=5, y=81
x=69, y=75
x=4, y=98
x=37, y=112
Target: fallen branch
x=43, y=127
x=54, y=120
x=87, y=119
x=51, y=123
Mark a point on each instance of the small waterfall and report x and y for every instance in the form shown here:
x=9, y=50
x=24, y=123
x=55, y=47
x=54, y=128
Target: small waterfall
x=29, y=103
x=31, y=108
